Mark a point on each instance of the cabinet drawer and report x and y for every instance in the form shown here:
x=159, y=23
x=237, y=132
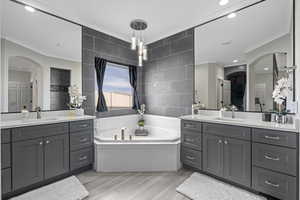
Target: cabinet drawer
x=32, y=132
x=191, y=139
x=191, y=158
x=227, y=130
x=5, y=135
x=81, y=125
x=81, y=158
x=81, y=140
x=274, y=184
x=5, y=156
x=281, y=138
x=6, y=180
x=275, y=158
x=191, y=125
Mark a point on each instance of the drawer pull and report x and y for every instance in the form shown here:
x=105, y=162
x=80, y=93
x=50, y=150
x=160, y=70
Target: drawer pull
x=189, y=125
x=220, y=141
x=83, y=158
x=271, y=158
x=83, y=140
x=190, y=157
x=48, y=142
x=272, y=138
x=41, y=143
x=83, y=125
x=189, y=140
x=272, y=184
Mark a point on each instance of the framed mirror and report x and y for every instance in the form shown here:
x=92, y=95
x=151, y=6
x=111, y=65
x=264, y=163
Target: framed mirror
x=240, y=57
x=41, y=57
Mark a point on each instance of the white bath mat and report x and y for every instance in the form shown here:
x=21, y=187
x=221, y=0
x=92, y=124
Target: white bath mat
x=67, y=189
x=202, y=187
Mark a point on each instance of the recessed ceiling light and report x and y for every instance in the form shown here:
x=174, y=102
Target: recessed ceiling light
x=223, y=2
x=235, y=61
x=266, y=68
x=29, y=8
x=231, y=15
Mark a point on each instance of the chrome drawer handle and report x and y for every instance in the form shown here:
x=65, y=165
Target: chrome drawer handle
x=190, y=157
x=84, y=126
x=220, y=141
x=83, y=158
x=271, y=158
x=272, y=138
x=272, y=184
x=189, y=125
x=41, y=143
x=189, y=140
x=48, y=142
x=83, y=140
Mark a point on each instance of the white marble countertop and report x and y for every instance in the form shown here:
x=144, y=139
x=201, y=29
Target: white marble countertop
x=46, y=120
x=253, y=123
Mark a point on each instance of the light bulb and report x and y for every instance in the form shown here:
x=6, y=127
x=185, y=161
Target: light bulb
x=145, y=53
x=231, y=15
x=133, y=42
x=140, y=61
x=223, y=2
x=141, y=47
x=29, y=8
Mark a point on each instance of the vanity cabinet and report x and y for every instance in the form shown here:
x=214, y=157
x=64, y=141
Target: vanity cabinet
x=228, y=158
x=191, y=144
x=41, y=158
x=36, y=155
x=261, y=160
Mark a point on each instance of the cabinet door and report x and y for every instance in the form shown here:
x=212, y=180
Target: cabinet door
x=212, y=154
x=237, y=161
x=56, y=155
x=27, y=163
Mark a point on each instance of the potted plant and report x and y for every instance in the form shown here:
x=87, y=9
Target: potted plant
x=280, y=94
x=76, y=99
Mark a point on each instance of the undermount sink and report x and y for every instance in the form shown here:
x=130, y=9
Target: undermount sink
x=229, y=119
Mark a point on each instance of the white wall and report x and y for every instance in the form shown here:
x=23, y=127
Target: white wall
x=297, y=42
x=12, y=49
x=1, y=4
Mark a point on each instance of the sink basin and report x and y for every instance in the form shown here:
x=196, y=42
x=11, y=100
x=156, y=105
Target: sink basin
x=229, y=119
x=42, y=119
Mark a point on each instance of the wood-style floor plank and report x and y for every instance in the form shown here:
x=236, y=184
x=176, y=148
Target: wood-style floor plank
x=134, y=186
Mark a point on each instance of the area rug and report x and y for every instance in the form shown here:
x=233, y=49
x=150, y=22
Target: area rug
x=202, y=187
x=66, y=189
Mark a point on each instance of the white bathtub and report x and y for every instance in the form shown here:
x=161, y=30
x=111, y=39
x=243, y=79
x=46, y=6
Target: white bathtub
x=160, y=151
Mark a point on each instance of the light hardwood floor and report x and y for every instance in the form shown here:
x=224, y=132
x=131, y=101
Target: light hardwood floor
x=134, y=186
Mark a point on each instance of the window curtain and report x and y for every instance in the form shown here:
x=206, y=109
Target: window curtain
x=100, y=65
x=133, y=83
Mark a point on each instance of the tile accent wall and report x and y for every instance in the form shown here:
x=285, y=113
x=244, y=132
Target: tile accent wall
x=95, y=43
x=169, y=75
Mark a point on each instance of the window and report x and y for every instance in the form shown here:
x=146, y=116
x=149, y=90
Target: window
x=116, y=87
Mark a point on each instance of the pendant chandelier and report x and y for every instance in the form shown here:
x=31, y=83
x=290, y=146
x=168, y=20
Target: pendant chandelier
x=137, y=40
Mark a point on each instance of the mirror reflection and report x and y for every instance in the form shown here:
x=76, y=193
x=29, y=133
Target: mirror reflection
x=241, y=65
x=41, y=57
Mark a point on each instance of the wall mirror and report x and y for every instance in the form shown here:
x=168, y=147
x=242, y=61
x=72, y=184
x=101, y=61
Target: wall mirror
x=240, y=57
x=41, y=58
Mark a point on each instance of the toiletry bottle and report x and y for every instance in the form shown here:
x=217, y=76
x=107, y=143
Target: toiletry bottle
x=25, y=112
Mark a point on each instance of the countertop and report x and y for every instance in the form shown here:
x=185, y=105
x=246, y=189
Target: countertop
x=46, y=120
x=253, y=123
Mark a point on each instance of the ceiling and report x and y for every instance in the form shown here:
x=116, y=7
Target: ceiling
x=41, y=33
x=225, y=40
x=164, y=17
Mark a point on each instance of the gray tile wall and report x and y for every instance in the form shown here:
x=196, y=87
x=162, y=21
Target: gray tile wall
x=98, y=44
x=169, y=75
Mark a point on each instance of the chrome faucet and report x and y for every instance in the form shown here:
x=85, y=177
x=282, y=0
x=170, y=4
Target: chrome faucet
x=38, y=112
x=233, y=109
x=123, y=133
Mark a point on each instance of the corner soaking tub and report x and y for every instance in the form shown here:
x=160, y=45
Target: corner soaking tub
x=159, y=151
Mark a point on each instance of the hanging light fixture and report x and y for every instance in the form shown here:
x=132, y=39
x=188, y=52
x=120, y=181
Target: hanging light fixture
x=137, y=40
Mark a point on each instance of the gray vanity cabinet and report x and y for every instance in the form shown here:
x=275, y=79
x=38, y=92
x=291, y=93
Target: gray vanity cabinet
x=56, y=155
x=237, y=161
x=27, y=167
x=212, y=154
